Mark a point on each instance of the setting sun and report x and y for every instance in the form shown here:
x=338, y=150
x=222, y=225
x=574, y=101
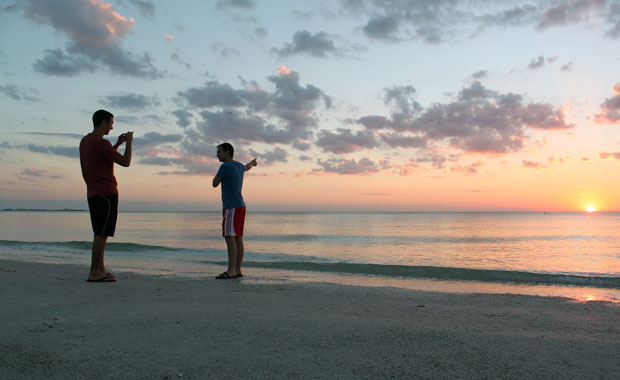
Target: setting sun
x=590, y=208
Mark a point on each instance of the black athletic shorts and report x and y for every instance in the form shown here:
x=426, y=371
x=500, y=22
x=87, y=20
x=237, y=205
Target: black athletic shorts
x=103, y=211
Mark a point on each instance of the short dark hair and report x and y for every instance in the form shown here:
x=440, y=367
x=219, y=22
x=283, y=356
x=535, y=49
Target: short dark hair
x=100, y=116
x=226, y=147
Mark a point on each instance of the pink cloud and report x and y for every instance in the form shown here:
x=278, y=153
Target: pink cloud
x=605, y=155
x=95, y=32
x=344, y=166
x=610, y=108
x=533, y=164
x=470, y=169
x=479, y=120
x=560, y=160
x=28, y=173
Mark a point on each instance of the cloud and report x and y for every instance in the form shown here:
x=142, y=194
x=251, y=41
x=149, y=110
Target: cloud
x=383, y=27
x=95, y=32
x=177, y=58
x=155, y=138
x=184, y=118
x=193, y=165
x=568, y=12
x=214, y=94
x=70, y=135
x=188, y=154
x=157, y=161
x=57, y=63
x=480, y=120
x=610, y=108
x=605, y=155
x=37, y=173
x=285, y=115
x=560, y=160
x=145, y=7
x=402, y=97
x=17, y=93
x=480, y=74
x=536, y=63
x=344, y=141
x=67, y=151
x=470, y=169
x=319, y=45
x=240, y=4
x=155, y=144
x=224, y=50
x=567, y=67
x=540, y=62
x=33, y=172
x=232, y=125
x=533, y=165
x=143, y=145
x=400, y=140
x=269, y=157
x=131, y=101
x=344, y=166
x=613, y=17
x=439, y=21
x=437, y=161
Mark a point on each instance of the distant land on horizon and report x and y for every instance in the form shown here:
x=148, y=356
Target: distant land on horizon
x=41, y=209
x=313, y=211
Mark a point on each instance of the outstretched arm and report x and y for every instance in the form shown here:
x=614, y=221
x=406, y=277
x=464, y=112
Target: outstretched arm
x=250, y=165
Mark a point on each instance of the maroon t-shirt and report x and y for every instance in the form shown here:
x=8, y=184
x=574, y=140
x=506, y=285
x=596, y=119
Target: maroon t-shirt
x=97, y=157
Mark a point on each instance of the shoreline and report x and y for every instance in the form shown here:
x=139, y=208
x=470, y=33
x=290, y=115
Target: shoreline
x=156, y=327
x=198, y=267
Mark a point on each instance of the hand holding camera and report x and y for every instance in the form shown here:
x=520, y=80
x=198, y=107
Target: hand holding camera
x=126, y=137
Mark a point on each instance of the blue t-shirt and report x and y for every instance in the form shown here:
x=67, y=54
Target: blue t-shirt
x=231, y=174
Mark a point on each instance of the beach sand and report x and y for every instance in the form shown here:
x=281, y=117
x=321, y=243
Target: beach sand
x=54, y=325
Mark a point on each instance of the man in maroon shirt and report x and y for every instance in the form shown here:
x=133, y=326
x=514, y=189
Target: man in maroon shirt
x=97, y=158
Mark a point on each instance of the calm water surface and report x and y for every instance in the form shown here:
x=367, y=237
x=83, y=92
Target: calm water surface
x=383, y=246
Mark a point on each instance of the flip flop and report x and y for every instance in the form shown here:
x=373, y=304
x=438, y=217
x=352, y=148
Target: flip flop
x=103, y=279
x=240, y=275
x=224, y=276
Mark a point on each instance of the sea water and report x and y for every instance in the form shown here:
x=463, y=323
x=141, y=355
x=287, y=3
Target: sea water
x=574, y=255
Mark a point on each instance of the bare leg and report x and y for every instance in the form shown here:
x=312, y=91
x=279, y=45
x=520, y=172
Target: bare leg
x=240, y=251
x=231, y=245
x=96, y=265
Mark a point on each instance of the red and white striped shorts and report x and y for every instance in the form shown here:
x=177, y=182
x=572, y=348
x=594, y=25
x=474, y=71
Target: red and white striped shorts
x=233, y=221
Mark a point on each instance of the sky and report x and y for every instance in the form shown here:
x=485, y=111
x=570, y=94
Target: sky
x=350, y=105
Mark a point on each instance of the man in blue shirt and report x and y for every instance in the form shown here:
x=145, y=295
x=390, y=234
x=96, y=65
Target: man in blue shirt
x=230, y=175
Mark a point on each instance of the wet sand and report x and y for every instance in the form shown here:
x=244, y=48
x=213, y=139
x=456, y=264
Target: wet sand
x=54, y=325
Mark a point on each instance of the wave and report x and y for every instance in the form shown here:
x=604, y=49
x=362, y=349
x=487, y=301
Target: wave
x=445, y=273
x=404, y=240
x=318, y=264
x=86, y=245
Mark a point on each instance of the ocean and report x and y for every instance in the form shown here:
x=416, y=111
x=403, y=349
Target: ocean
x=575, y=255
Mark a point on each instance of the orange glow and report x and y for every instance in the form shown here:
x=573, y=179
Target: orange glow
x=114, y=21
x=589, y=298
x=284, y=71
